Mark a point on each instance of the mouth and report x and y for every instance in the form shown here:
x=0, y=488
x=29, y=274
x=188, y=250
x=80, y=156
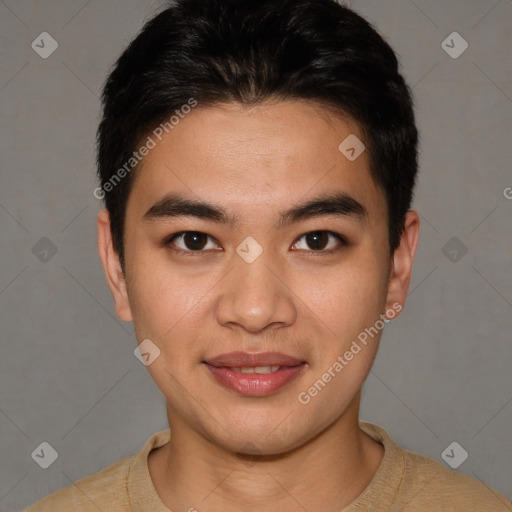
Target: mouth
x=260, y=370
x=254, y=375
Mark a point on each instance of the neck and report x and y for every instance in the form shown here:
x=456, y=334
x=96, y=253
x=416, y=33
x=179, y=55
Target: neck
x=325, y=474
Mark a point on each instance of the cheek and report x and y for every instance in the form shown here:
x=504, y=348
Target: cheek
x=169, y=306
x=158, y=298
x=347, y=312
x=348, y=298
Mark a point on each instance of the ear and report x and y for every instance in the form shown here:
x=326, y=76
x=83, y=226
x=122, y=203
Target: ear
x=112, y=267
x=402, y=260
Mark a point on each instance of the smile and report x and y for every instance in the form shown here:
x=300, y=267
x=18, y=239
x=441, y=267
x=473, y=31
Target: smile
x=254, y=375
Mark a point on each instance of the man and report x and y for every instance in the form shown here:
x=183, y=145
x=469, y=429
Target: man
x=257, y=160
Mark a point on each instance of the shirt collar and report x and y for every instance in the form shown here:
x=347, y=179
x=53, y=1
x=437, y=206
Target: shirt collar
x=141, y=491
x=382, y=489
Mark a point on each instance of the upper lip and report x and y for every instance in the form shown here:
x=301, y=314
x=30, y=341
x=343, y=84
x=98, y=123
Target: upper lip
x=245, y=359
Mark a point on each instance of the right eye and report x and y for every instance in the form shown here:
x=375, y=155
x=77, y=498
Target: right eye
x=191, y=241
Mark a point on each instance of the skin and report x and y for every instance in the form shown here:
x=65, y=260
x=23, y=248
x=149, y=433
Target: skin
x=256, y=162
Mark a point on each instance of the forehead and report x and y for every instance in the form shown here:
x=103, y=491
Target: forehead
x=255, y=159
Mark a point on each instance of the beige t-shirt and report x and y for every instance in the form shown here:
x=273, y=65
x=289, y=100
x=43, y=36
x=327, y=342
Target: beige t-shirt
x=404, y=482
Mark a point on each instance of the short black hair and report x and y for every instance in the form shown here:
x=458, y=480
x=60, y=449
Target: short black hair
x=248, y=51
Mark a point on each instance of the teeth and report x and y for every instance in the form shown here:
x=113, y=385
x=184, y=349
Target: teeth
x=256, y=369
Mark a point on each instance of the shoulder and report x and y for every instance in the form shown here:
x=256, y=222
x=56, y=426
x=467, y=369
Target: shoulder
x=92, y=493
x=410, y=482
x=428, y=485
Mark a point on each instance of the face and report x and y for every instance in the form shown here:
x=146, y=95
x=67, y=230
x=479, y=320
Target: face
x=262, y=267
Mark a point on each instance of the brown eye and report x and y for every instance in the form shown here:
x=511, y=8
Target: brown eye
x=190, y=241
x=195, y=241
x=319, y=241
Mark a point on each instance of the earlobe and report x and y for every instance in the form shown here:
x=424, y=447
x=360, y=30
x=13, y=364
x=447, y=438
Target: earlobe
x=112, y=267
x=402, y=261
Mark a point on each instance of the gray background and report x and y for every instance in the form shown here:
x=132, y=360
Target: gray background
x=68, y=374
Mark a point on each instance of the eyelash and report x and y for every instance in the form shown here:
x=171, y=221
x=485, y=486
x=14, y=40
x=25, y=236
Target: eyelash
x=341, y=238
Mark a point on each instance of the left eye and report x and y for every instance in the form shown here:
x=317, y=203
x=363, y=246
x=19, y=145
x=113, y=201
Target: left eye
x=319, y=241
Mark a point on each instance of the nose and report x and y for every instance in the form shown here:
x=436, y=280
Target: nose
x=255, y=296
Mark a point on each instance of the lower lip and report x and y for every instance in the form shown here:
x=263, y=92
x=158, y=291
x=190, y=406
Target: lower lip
x=255, y=384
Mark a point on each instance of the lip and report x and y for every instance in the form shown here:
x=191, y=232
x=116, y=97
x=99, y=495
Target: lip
x=246, y=359
x=254, y=384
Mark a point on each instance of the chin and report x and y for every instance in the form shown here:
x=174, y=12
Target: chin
x=262, y=434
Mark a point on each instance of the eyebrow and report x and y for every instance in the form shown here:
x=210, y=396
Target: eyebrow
x=335, y=203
